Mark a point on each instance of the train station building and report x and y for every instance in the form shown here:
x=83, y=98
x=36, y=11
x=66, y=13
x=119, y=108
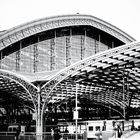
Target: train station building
x=53, y=67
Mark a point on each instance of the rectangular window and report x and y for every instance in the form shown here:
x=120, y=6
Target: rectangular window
x=90, y=128
x=97, y=128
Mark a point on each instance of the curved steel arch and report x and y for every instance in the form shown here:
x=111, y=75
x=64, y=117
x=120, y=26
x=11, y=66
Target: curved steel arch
x=30, y=89
x=113, y=110
x=18, y=33
x=125, y=54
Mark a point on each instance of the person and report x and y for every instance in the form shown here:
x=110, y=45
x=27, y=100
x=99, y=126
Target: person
x=98, y=134
x=115, y=133
x=66, y=130
x=57, y=134
x=52, y=132
x=66, y=134
x=17, y=133
x=119, y=131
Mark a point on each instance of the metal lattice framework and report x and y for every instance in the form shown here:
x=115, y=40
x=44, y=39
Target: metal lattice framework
x=101, y=79
x=19, y=87
x=18, y=33
x=105, y=75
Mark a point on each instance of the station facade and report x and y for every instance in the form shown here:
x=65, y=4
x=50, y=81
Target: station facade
x=42, y=61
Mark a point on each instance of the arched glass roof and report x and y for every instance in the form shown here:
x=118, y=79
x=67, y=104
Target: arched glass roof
x=17, y=87
x=110, y=77
x=21, y=32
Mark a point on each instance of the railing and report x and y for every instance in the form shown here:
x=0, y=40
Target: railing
x=48, y=136
x=7, y=136
x=7, y=133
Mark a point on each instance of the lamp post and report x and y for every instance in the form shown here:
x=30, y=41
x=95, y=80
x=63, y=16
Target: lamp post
x=39, y=119
x=124, y=94
x=125, y=89
x=76, y=114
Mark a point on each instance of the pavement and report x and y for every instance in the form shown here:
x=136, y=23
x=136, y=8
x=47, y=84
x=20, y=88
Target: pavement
x=132, y=135
x=135, y=136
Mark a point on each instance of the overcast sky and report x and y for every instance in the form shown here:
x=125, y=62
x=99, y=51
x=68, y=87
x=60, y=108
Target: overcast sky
x=125, y=14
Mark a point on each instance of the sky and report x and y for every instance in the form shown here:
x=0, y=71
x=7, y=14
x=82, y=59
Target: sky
x=123, y=14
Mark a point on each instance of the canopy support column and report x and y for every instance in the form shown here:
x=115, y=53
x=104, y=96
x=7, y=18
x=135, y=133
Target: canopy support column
x=39, y=118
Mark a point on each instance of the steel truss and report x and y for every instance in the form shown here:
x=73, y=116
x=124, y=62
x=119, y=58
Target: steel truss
x=9, y=37
x=107, y=70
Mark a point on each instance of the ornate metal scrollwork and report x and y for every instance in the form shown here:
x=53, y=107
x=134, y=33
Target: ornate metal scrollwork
x=21, y=32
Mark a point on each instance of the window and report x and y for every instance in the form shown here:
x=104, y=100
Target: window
x=14, y=129
x=90, y=128
x=97, y=128
x=10, y=129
